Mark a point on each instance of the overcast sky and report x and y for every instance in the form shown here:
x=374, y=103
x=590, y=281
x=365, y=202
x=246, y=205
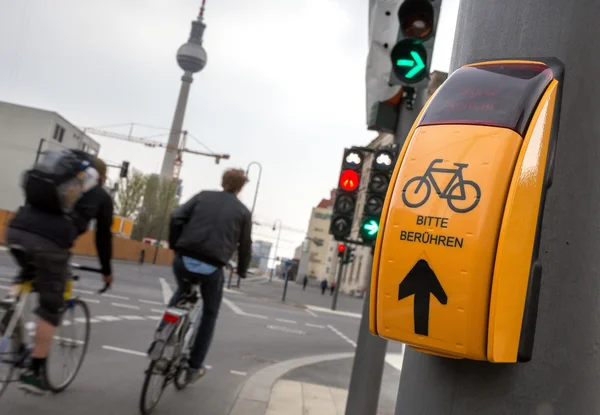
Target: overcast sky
x=284, y=86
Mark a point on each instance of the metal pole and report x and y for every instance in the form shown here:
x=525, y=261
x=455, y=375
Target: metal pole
x=276, y=246
x=369, y=362
x=562, y=376
x=257, y=183
x=337, y=284
x=285, y=283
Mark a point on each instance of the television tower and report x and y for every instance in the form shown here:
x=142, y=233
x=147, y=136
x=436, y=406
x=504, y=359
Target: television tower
x=191, y=57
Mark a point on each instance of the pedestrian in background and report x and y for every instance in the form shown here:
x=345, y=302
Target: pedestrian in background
x=323, y=286
x=304, y=282
x=332, y=287
x=142, y=256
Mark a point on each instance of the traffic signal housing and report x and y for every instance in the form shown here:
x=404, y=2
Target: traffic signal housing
x=382, y=168
x=341, y=250
x=345, y=198
x=349, y=257
x=411, y=55
x=124, y=170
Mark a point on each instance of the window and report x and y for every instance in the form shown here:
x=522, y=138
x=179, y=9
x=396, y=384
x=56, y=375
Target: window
x=59, y=133
x=327, y=270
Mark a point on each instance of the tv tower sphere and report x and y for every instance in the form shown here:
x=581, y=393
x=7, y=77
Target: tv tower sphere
x=191, y=56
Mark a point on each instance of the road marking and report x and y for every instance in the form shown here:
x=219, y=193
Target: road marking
x=156, y=310
x=80, y=320
x=30, y=325
x=108, y=318
x=167, y=292
x=283, y=320
x=131, y=307
x=86, y=292
x=342, y=335
x=233, y=307
x=116, y=297
x=326, y=310
x=208, y=367
x=395, y=360
x=3, y=248
x=127, y=351
x=317, y=326
x=151, y=302
x=255, y=316
x=66, y=339
x=312, y=313
x=94, y=320
x=154, y=317
x=90, y=300
x=235, y=372
x=5, y=287
x=285, y=329
x=133, y=317
x=6, y=279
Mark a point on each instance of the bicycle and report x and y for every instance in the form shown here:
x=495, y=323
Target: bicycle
x=170, y=349
x=15, y=343
x=456, y=182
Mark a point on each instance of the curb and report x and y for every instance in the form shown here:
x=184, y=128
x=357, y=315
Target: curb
x=254, y=396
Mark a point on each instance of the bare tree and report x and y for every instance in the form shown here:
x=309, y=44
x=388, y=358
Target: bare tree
x=131, y=195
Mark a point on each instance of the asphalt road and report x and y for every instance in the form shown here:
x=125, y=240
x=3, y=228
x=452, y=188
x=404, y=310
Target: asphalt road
x=252, y=332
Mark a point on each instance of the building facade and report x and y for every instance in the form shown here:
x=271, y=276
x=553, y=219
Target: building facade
x=24, y=131
x=317, y=258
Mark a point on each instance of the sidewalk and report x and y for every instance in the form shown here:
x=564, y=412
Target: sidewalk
x=290, y=397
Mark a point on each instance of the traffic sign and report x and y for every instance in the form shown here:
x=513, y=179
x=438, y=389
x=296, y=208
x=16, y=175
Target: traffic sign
x=456, y=270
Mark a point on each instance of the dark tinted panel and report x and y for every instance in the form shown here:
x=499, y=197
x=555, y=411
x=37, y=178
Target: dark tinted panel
x=503, y=95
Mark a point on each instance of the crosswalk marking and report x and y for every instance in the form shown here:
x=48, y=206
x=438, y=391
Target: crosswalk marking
x=133, y=317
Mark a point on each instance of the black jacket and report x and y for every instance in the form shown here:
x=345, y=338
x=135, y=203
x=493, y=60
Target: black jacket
x=64, y=230
x=210, y=226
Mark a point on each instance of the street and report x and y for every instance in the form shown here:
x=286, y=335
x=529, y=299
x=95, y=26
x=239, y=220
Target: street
x=254, y=331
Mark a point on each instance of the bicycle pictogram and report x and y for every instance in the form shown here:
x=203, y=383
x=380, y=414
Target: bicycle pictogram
x=456, y=190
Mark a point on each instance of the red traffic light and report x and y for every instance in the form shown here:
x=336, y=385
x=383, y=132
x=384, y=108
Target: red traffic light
x=341, y=248
x=416, y=18
x=349, y=180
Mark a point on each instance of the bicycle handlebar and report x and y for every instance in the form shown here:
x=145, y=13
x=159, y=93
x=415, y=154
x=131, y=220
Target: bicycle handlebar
x=80, y=267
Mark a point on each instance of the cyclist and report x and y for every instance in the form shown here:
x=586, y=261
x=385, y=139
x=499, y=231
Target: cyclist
x=204, y=234
x=46, y=239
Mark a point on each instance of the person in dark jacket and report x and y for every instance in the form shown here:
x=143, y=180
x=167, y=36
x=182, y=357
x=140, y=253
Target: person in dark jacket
x=204, y=233
x=46, y=239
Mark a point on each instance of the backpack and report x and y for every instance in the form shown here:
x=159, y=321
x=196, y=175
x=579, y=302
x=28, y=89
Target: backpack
x=59, y=180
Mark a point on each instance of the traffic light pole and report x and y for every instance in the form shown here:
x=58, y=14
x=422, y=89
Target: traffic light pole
x=562, y=377
x=369, y=362
x=338, y=282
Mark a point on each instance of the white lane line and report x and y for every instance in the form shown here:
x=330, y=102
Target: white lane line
x=80, y=320
x=91, y=300
x=151, y=302
x=154, y=317
x=208, y=367
x=131, y=307
x=283, y=320
x=86, y=292
x=6, y=279
x=116, y=297
x=94, y=320
x=342, y=335
x=236, y=372
x=156, y=310
x=108, y=318
x=3, y=249
x=285, y=329
x=133, y=317
x=167, y=292
x=317, y=326
x=66, y=339
x=233, y=307
x=126, y=351
x=312, y=313
x=30, y=325
x=395, y=360
x=340, y=313
x=255, y=316
x=4, y=287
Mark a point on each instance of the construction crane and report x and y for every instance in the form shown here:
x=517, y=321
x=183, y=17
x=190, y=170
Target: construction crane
x=148, y=142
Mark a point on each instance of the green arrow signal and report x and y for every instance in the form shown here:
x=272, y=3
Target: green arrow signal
x=372, y=227
x=416, y=63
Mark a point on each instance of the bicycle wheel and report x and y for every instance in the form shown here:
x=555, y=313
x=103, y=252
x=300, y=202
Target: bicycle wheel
x=180, y=379
x=67, y=344
x=422, y=196
x=151, y=392
x=468, y=205
x=9, y=350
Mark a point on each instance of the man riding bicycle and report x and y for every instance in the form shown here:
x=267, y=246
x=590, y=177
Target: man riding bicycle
x=204, y=234
x=45, y=238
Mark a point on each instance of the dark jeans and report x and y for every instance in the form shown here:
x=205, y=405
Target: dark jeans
x=47, y=265
x=211, y=288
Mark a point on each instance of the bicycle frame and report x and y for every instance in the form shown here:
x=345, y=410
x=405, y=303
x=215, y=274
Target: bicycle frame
x=456, y=175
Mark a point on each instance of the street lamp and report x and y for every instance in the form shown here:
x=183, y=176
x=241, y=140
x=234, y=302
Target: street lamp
x=276, y=246
x=257, y=183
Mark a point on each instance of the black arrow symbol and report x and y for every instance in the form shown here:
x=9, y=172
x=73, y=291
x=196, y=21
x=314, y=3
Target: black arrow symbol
x=422, y=282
